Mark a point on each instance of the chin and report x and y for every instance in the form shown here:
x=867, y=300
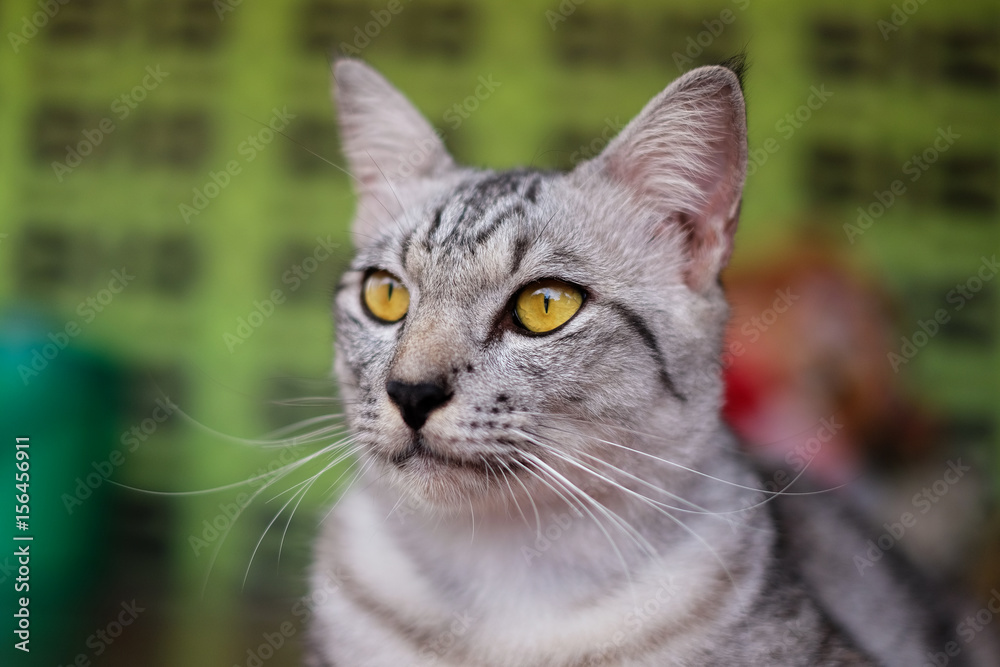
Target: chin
x=431, y=481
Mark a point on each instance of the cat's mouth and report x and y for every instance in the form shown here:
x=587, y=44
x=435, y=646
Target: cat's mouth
x=418, y=450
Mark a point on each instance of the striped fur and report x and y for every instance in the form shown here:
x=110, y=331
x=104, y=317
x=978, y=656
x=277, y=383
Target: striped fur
x=547, y=514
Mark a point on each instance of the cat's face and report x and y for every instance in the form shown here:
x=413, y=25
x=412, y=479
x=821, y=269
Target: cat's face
x=497, y=332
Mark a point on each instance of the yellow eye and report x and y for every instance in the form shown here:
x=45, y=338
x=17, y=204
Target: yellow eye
x=547, y=304
x=385, y=296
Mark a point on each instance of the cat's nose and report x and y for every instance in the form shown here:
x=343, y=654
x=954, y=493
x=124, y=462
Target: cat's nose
x=417, y=400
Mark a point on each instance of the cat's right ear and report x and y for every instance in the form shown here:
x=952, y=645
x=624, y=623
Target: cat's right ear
x=386, y=141
x=684, y=158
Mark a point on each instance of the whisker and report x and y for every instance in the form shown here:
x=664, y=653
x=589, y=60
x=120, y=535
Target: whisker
x=225, y=487
x=365, y=467
x=231, y=438
x=674, y=463
x=291, y=428
x=307, y=401
x=472, y=513
x=266, y=529
x=570, y=488
x=278, y=474
x=339, y=456
x=602, y=508
x=698, y=509
x=281, y=544
x=388, y=184
x=534, y=507
x=690, y=531
x=395, y=506
x=312, y=480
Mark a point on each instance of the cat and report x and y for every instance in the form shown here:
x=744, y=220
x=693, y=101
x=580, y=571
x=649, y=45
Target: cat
x=529, y=363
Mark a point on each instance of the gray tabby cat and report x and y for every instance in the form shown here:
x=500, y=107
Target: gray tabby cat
x=530, y=367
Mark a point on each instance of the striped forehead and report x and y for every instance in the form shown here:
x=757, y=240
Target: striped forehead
x=479, y=208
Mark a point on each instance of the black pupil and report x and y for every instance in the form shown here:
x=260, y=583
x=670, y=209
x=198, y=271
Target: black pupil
x=389, y=296
x=546, y=297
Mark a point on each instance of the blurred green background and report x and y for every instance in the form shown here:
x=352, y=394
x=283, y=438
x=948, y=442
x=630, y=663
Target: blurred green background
x=166, y=261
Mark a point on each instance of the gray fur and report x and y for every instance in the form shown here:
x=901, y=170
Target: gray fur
x=548, y=513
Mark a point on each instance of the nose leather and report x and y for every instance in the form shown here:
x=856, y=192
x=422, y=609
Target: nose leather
x=417, y=400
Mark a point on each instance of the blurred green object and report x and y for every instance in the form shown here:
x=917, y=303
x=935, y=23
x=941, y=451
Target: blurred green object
x=66, y=402
x=191, y=147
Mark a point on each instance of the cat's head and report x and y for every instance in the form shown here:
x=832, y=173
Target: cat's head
x=501, y=333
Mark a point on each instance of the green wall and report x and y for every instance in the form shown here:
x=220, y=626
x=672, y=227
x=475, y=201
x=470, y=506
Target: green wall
x=169, y=101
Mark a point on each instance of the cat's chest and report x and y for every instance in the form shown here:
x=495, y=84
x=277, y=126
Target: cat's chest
x=488, y=594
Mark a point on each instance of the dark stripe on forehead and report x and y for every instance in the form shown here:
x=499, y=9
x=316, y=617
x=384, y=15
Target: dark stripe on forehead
x=477, y=201
x=514, y=211
x=517, y=255
x=635, y=321
x=491, y=189
x=462, y=221
x=404, y=247
x=435, y=223
x=531, y=194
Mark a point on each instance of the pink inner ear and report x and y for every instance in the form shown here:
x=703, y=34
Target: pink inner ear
x=709, y=254
x=707, y=244
x=685, y=155
x=714, y=228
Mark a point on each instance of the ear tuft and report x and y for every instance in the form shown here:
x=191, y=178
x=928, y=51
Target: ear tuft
x=738, y=65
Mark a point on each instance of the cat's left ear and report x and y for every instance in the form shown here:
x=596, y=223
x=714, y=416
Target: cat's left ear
x=685, y=157
x=385, y=139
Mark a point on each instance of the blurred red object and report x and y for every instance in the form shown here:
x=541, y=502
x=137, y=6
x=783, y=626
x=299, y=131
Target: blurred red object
x=807, y=375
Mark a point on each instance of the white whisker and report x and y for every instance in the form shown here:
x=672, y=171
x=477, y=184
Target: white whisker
x=678, y=522
x=782, y=492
